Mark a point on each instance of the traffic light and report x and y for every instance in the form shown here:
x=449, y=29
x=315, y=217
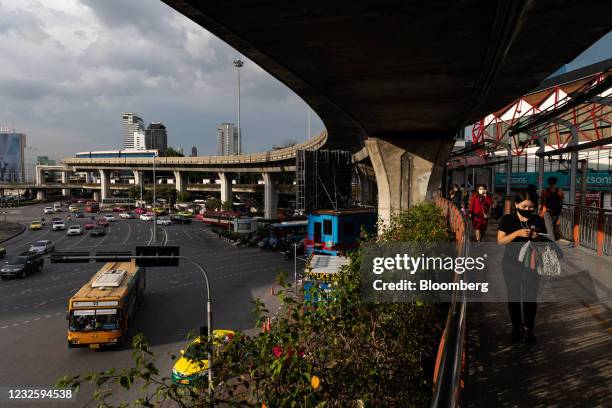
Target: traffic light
x=170, y=254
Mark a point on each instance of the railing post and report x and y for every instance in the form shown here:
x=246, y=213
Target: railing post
x=600, y=231
x=576, y=230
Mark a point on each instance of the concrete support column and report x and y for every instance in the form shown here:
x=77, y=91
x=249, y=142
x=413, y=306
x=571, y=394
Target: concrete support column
x=270, y=196
x=137, y=177
x=180, y=181
x=226, y=186
x=408, y=170
x=104, y=184
x=96, y=196
x=40, y=176
x=41, y=194
x=65, y=180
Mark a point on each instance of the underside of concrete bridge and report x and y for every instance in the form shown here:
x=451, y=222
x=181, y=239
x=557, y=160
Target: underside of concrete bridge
x=401, y=77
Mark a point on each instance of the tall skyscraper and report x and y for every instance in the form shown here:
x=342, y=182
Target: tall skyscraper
x=228, y=140
x=194, y=151
x=156, y=137
x=12, y=147
x=130, y=123
x=139, y=140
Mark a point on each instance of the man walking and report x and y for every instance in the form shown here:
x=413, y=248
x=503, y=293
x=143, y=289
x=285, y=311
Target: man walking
x=551, y=204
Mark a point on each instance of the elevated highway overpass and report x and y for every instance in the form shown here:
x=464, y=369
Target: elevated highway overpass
x=400, y=78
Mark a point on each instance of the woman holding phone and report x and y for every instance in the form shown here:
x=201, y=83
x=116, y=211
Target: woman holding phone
x=521, y=282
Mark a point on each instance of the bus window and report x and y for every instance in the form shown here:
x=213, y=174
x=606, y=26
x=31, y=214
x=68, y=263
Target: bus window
x=94, y=320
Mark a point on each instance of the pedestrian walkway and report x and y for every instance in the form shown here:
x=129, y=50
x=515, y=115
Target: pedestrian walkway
x=570, y=366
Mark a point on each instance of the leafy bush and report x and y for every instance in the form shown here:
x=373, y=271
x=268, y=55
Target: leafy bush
x=345, y=352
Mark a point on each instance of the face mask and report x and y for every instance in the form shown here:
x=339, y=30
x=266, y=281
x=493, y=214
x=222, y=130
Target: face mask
x=525, y=213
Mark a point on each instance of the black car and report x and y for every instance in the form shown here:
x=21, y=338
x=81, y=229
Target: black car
x=98, y=232
x=22, y=265
x=180, y=219
x=79, y=215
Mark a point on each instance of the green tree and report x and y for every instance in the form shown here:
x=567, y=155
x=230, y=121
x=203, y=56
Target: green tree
x=226, y=205
x=212, y=204
x=183, y=197
x=172, y=152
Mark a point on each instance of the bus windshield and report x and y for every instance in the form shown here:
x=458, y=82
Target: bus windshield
x=94, y=320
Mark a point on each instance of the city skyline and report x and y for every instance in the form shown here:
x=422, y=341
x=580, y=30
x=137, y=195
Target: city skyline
x=68, y=76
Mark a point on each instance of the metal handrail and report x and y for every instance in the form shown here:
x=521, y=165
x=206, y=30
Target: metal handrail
x=589, y=227
x=448, y=370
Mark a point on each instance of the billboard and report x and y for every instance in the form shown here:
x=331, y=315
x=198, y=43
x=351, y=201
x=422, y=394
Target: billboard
x=11, y=157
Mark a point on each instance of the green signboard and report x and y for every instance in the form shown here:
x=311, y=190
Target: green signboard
x=595, y=180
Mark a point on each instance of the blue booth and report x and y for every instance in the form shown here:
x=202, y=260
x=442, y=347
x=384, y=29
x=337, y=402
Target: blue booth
x=337, y=232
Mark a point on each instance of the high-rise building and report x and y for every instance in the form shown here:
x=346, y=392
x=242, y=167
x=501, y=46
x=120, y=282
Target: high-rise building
x=130, y=123
x=12, y=147
x=194, y=151
x=156, y=137
x=139, y=140
x=228, y=140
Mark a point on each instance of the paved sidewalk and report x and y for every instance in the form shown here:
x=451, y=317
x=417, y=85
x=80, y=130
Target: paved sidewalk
x=570, y=366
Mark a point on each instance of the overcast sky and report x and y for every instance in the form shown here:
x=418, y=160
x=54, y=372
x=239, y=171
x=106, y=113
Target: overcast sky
x=69, y=68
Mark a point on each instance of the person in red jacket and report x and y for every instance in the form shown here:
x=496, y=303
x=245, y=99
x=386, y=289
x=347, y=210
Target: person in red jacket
x=478, y=207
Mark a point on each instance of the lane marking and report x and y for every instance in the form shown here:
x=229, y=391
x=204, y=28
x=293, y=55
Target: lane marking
x=128, y=234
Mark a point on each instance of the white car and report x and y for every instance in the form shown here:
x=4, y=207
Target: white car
x=109, y=217
x=49, y=210
x=42, y=246
x=146, y=217
x=126, y=215
x=164, y=221
x=59, y=226
x=75, y=230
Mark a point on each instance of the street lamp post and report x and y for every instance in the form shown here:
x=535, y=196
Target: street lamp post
x=238, y=63
x=154, y=204
x=209, y=321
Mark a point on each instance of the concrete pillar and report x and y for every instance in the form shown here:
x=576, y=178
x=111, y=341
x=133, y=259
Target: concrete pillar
x=96, y=196
x=41, y=194
x=137, y=177
x=65, y=180
x=180, y=181
x=40, y=176
x=104, y=184
x=270, y=196
x=408, y=170
x=226, y=186
x=87, y=177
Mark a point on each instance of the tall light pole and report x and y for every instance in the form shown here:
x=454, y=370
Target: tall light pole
x=238, y=64
x=154, y=203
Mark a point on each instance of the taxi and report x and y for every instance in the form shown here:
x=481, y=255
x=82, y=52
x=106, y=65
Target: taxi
x=188, y=371
x=188, y=214
x=35, y=225
x=159, y=211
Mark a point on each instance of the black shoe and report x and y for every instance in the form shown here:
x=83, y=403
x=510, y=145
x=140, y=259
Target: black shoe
x=516, y=335
x=530, y=337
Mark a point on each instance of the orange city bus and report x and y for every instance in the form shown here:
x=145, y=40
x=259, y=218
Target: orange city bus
x=100, y=312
